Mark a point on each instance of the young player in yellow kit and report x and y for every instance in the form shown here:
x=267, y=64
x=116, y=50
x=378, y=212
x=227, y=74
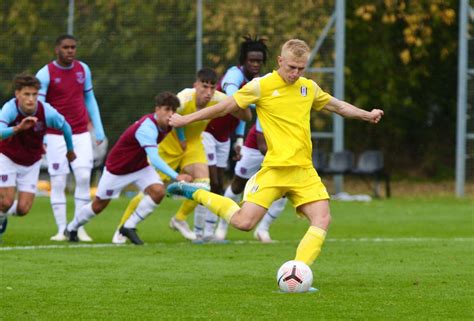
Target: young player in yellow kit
x=183, y=148
x=284, y=101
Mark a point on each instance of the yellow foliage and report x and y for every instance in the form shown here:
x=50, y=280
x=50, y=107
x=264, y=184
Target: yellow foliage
x=448, y=16
x=405, y=56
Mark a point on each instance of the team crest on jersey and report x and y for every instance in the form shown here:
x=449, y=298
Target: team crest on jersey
x=109, y=192
x=80, y=77
x=57, y=80
x=304, y=91
x=55, y=166
x=4, y=178
x=39, y=127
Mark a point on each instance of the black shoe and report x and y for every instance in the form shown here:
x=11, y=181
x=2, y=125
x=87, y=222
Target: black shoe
x=71, y=235
x=131, y=234
x=3, y=226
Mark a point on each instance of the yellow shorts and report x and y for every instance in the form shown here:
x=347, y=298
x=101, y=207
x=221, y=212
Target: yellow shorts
x=300, y=185
x=194, y=154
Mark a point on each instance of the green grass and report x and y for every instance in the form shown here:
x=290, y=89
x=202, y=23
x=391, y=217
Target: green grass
x=397, y=259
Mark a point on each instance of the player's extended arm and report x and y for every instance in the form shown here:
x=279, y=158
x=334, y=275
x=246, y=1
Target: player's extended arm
x=8, y=113
x=181, y=137
x=220, y=109
x=350, y=111
x=55, y=120
x=67, y=133
x=158, y=163
x=25, y=124
x=94, y=115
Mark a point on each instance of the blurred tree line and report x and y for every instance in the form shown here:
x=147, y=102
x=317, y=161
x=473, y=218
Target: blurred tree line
x=401, y=56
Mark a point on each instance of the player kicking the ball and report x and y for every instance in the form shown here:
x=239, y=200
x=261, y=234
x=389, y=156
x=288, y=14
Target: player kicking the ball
x=284, y=100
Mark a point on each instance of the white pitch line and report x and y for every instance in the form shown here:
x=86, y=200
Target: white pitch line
x=334, y=240
x=47, y=247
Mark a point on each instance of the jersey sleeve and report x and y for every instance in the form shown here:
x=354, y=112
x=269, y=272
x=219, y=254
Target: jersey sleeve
x=53, y=118
x=248, y=94
x=258, y=126
x=43, y=77
x=8, y=114
x=147, y=134
x=88, y=76
x=232, y=81
x=321, y=98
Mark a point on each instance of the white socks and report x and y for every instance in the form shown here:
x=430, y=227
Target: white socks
x=210, y=223
x=12, y=209
x=82, y=196
x=199, y=220
x=272, y=214
x=58, y=200
x=84, y=216
x=144, y=208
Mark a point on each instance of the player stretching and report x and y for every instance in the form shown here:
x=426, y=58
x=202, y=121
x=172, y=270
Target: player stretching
x=127, y=164
x=23, y=124
x=216, y=138
x=183, y=149
x=66, y=84
x=253, y=153
x=284, y=101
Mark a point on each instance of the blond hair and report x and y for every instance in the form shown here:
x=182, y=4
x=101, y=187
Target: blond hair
x=296, y=48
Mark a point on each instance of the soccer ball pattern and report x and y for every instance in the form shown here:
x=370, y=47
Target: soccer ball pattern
x=294, y=276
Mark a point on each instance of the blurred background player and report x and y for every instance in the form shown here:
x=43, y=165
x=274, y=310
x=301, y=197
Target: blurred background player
x=183, y=148
x=66, y=83
x=127, y=164
x=23, y=124
x=253, y=153
x=284, y=101
x=216, y=138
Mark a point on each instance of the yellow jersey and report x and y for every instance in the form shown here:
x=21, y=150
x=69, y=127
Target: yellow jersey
x=284, y=112
x=193, y=131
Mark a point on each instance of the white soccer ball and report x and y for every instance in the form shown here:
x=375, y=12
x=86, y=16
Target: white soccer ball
x=294, y=276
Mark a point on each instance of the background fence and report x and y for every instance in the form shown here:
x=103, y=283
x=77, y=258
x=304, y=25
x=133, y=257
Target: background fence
x=400, y=55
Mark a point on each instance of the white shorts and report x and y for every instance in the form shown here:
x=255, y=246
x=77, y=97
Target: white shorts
x=56, y=153
x=111, y=185
x=25, y=178
x=217, y=152
x=250, y=162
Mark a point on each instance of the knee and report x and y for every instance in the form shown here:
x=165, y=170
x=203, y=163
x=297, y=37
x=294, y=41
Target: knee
x=237, y=188
x=82, y=176
x=157, y=195
x=325, y=218
x=245, y=225
x=58, y=183
x=5, y=204
x=99, y=205
x=23, y=209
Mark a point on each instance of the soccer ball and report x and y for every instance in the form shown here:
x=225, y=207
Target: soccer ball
x=294, y=276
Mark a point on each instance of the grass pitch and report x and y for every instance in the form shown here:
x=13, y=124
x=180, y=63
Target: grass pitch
x=397, y=259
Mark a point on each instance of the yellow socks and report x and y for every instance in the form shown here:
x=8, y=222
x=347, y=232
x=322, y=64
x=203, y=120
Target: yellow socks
x=219, y=205
x=188, y=206
x=132, y=206
x=310, y=245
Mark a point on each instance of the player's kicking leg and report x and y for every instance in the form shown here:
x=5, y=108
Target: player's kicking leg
x=244, y=218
